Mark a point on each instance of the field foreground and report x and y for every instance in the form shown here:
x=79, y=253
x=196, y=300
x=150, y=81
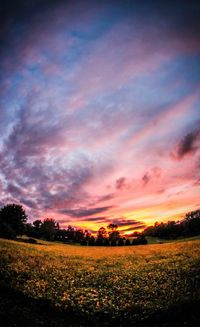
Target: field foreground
x=51, y=284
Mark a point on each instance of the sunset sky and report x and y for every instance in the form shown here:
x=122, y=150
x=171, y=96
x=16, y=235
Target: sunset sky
x=100, y=110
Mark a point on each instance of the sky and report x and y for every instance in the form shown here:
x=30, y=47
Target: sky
x=100, y=110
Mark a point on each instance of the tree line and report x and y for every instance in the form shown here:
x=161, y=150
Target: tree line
x=188, y=226
x=13, y=222
x=50, y=230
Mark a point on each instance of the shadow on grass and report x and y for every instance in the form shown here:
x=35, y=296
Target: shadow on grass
x=18, y=310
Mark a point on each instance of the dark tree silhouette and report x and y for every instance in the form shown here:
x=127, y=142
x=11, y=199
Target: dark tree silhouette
x=37, y=228
x=113, y=242
x=113, y=232
x=120, y=241
x=37, y=224
x=49, y=229
x=78, y=235
x=99, y=241
x=12, y=220
x=87, y=235
x=70, y=233
x=102, y=233
x=139, y=240
x=91, y=241
x=127, y=242
x=106, y=242
x=84, y=241
x=188, y=226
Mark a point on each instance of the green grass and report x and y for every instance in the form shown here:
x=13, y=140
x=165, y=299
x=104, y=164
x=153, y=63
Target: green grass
x=152, y=285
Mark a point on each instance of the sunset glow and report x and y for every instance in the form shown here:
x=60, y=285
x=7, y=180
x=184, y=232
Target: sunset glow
x=100, y=112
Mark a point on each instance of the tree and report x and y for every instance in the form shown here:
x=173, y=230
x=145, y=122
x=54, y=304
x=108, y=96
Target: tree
x=61, y=235
x=99, y=241
x=102, y=233
x=12, y=220
x=91, y=241
x=29, y=230
x=113, y=242
x=78, y=235
x=139, y=240
x=106, y=242
x=37, y=224
x=49, y=229
x=188, y=226
x=87, y=235
x=83, y=241
x=70, y=233
x=120, y=241
x=113, y=232
x=127, y=242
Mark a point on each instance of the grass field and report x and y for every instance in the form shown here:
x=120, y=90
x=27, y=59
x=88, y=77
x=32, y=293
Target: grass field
x=51, y=284
x=156, y=240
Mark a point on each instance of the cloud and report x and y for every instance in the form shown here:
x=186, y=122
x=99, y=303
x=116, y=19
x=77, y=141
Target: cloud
x=122, y=222
x=84, y=212
x=152, y=174
x=146, y=178
x=139, y=226
x=14, y=190
x=72, y=117
x=106, y=197
x=197, y=182
x=29, y=203
x=188, y=145
x=120, y=183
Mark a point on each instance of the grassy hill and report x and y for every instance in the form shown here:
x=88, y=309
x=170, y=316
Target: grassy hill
x=52, y=284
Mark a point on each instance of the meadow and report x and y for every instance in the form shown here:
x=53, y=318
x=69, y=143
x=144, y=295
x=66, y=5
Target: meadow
x=52, y=284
